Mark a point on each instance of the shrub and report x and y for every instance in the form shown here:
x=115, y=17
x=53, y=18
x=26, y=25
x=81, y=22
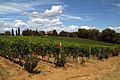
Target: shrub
x=30, y=64
x=115, y=52
x=60, y=62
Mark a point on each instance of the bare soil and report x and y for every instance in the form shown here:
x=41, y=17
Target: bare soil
x=92, y=70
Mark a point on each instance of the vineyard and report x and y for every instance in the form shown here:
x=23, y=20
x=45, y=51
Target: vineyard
x=27, y=51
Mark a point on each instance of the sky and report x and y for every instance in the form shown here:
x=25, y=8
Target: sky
x=68, y=15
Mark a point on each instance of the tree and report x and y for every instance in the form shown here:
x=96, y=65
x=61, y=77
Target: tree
x=41, y=33
x=1, y=34
x=18, y=31
x=36, y=32
x=83, y=33
x=8, y=33
x=27, y=32
x=68, y=34
x=75, y=34
x=94, y=34
x=118, y=38
x=54, y=33
x=13, y=32
x=108, y=35
x=63, y=34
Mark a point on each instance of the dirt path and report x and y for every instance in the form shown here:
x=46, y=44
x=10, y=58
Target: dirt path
x=92, y=70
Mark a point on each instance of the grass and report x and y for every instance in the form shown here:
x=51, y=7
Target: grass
x=63, y=40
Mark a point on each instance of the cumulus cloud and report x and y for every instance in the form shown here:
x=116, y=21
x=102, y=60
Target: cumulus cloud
x=45, y=24
x=71, y=28
x=55, y=10
x=48, y=20
x=53, y=22
x=52, y=13
x=7, y=26
x=19, y=23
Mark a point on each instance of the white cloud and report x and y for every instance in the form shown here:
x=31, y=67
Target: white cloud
x=47, y=20
x=74, y=28
x=7, y=29
x=8, y=7
x=45, y=24
x=71, y=17
x=55, y=10
x=19, y=23
x=22, y=5
x=39, y=21
x=4, y=29
x=2, y=23
x=5, y=26
x=87, y=27
x=110, y=27
x=71, y=28
x=88, y=18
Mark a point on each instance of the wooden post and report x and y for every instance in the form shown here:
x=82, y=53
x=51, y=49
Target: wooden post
x=78, y=59
x=90, y=56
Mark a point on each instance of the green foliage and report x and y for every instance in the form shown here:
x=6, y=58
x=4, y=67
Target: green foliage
x=41, y=33
x=116, y=51
x=18, y=31
x=29, y=32
x=54, y=33
x=30, y=63
x=8, y=33
x=83, y=33
x=23, y=50
x=12, y=31
x=108, y=35
x=60, y=58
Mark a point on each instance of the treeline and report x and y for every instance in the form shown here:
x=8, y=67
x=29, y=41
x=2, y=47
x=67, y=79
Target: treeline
x=8, y=33
x=107, y=35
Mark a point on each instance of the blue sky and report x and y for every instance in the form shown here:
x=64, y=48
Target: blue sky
x=66, y=15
